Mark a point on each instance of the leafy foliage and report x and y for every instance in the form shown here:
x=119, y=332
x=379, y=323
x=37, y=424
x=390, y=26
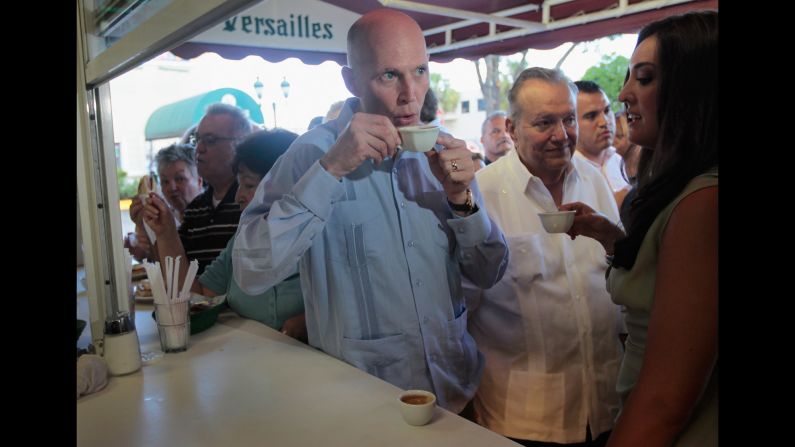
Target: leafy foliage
x=447, y=96
x=506, y=80
x=609, y=74
x=128, y=188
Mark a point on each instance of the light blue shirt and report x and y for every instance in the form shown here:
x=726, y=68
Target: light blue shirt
x=272, y=307
x=381, y=256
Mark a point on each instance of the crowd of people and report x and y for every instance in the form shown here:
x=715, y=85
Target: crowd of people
x=431, y=270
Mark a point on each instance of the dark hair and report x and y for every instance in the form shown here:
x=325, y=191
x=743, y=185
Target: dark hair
x=588, y=87
x=259, y=151
x=429, y=107
x=687, y=118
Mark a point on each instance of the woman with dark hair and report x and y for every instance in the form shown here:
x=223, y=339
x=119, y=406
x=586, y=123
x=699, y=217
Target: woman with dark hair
x=280, y=307
x=664, y=270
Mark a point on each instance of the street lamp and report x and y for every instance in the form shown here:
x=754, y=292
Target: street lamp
x=258, y=87
x=286, y=91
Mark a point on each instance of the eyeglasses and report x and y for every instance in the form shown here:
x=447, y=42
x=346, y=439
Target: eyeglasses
x=209, y=139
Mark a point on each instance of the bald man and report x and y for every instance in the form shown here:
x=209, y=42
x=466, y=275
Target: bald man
x=381, y=235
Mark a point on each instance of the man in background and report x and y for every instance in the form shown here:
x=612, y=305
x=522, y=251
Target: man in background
x=494, y=136
x=597, y=132
x=211, y=218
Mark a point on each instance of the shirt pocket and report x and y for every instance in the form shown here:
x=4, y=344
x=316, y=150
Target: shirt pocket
x=380, y=357
x=531, y=256
x=544, y=399
x=458, y=349
x=353, y=232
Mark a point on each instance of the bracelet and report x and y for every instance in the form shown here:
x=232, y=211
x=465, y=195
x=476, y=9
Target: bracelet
x=466, y=207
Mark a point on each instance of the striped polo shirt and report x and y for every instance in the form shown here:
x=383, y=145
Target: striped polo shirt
x=206, y=230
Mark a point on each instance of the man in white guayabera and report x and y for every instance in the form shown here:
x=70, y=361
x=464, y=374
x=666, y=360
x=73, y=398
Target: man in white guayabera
x=548, y=330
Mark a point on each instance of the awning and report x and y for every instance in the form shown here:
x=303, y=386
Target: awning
x=172, y=120
x=315, y=31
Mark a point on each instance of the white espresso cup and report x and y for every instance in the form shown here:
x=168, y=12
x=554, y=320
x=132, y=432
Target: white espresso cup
x=416, y=406
x=420, y=138
x=558, y=221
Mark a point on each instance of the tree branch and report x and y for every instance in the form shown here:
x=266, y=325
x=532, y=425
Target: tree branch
x=560, y=62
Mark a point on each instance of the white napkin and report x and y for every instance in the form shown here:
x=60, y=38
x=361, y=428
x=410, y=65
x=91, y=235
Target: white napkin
x=92, y=374
x=149, y=232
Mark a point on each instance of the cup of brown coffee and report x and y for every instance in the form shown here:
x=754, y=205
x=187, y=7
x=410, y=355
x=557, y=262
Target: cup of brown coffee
x=416, y=406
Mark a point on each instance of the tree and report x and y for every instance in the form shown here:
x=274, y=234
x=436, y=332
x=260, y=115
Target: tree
x=506, y=81
x=447, y=96
x=496, y=85
x=609, y=74
x=128, y=188
x=490, y=85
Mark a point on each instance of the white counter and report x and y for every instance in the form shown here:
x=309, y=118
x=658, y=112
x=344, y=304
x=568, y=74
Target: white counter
x=241, y=383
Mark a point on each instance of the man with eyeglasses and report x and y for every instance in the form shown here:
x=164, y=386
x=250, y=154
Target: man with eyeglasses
x=548, y=329
x=211, y=218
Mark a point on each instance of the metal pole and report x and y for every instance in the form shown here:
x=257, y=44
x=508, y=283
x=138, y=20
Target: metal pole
x=274, y=114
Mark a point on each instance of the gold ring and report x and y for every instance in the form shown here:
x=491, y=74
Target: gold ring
x=454, y=164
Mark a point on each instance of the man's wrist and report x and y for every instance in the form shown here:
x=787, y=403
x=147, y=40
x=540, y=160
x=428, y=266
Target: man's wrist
x=328, y=168
x=468, y=206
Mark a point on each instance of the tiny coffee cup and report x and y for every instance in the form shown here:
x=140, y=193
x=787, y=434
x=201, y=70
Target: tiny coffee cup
x=416, y=406
x=558, y=221
x=420, y=138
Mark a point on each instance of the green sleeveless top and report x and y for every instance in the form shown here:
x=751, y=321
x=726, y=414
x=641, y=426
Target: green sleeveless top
x=634, y=289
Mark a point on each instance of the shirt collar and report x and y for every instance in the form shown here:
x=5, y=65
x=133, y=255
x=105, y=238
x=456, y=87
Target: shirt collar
x=523, y=176
x=610, y=152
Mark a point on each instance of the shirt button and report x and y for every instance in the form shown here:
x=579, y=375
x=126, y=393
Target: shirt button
x=418, y=283
x=411, y=243
x=211, y=220
x=467, y=256
x=504, y=191
x=425, y=320
x=394, y=170
x=402, y=204
x=460, y=229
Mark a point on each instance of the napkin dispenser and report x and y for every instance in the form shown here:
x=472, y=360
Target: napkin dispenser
x=122, y=350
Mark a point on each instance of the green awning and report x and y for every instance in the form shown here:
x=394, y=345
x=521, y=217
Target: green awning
x=174, y=119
